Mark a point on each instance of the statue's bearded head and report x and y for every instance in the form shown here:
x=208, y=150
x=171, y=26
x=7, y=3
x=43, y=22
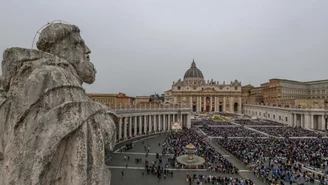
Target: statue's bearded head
x=65, y=41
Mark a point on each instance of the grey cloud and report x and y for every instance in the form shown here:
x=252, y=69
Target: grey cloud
x=140, y=46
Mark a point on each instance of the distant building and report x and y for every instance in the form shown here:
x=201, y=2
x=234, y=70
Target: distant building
x=202, y=96
x=283, y=92
x=106, y=99
x=111, y=100
x=156, y=98
x=141, y=100
x=245, y=93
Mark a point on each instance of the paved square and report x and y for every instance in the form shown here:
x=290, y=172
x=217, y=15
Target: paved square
x=133, y=173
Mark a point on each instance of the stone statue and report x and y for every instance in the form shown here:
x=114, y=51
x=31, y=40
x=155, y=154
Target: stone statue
x=50, y=132
x=3, y=98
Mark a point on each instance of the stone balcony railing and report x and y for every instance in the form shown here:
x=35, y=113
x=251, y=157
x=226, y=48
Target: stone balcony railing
x=291, y=107
x=132, y=108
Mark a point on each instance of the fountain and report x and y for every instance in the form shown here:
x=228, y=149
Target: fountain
x=191, y=160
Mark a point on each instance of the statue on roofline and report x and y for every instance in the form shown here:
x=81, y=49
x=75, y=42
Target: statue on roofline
x=50, y=132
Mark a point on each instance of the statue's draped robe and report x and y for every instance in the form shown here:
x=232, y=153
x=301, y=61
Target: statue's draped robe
x=50, y=131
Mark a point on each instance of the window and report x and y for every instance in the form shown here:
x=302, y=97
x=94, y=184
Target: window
x=179, y=87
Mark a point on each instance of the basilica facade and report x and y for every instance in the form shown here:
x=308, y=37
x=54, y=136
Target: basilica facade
x=205, y=96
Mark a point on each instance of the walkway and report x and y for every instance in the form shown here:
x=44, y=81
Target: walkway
x=243, y=171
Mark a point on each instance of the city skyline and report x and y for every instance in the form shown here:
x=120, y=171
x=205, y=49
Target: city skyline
x=141, y=47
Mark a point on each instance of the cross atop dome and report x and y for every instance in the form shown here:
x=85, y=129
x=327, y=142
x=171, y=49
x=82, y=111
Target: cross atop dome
x=193, y=64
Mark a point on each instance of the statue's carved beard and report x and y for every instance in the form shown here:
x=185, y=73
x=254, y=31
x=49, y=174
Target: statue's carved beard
x=87, y=72
x=84, y=68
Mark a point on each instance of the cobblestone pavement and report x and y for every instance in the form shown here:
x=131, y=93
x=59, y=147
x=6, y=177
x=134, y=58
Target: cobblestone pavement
x=133, y=172
x=135, y=177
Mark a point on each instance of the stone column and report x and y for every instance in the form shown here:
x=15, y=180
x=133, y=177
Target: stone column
x=215, y=104
x=239, y=105
x=169, y=120
x=160, y=123
x=190, y=103
x=231, y=104
x=295, y=120
x=290, y=119
x=199, y=102
x=140, y=125
x=323, y=123
x=135, y=126
x=211, y=101
x=312, y=121
x=155, y=123
x=150, y=123
x=302, y=121
x=306, y=121
x=130, y=126
x=204, y=105
x=145, y=123
x=200, y=106
x=188, y=121
x=224, y=104
x=125, y=128
x=164, y=123
x=120, y=129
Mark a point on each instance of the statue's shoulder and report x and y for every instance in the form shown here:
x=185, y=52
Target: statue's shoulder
x=13, y=57
x=20, y=63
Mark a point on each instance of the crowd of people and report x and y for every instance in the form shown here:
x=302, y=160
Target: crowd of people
x=204, y=122
x=288, y=132
x=280, y=159
x=200, y=179
x=237, y=131
x=175, y=144
x=230, y=115
x=248, y=122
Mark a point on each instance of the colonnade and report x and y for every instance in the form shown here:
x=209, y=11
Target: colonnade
x=132, y=125
x=315, y=119
x=308, y=120
x=211, y=103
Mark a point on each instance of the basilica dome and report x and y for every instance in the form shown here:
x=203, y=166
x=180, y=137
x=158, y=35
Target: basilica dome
x=193, y=72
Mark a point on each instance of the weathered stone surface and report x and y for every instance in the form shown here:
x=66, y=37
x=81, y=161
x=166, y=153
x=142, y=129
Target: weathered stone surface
x=50, y=133
x=2, y=99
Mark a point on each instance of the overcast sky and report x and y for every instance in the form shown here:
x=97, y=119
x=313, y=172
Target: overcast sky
x=140, y=47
